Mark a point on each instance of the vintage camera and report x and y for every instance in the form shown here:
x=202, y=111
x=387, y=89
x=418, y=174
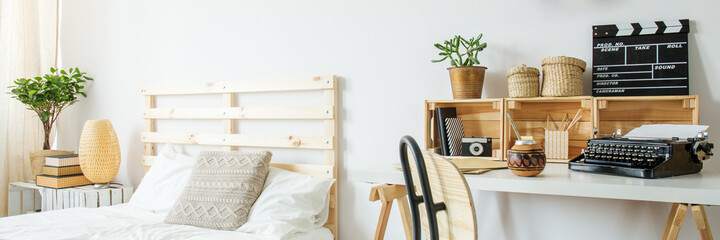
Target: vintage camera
x=477, y=147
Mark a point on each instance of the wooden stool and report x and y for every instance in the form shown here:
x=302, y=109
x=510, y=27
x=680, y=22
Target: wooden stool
x=677, y=216
x=386, y=193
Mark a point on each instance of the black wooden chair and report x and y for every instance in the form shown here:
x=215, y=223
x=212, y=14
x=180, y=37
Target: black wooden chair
x=451, y=214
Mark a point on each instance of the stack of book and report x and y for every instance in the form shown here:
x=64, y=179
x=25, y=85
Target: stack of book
x=62, y=172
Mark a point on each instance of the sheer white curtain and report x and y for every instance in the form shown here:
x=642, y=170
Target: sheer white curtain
x=28, y=48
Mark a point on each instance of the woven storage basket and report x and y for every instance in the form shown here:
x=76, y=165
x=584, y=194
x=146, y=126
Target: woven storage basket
x=562, y=76
x=523, y=82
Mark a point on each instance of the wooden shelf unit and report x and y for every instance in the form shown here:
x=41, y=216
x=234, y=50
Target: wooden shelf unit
x=626, y=113
x=530, y=116
x=486, y=117
x=481, y=118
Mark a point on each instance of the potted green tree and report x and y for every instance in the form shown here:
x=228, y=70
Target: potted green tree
x=48, y=96
x=466, y=78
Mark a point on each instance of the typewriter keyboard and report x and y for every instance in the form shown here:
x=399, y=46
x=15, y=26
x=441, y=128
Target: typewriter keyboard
x=626, y=154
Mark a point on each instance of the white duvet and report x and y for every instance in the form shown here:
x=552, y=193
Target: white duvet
x=118, y=222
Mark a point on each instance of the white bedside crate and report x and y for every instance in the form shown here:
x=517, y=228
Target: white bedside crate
x=26, y=197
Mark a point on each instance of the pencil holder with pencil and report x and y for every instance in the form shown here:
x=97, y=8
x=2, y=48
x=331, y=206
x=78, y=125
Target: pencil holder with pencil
x=556, y=139
x=556, y=144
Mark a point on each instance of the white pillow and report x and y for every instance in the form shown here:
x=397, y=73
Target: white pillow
x=164, y=182
x=290, y=203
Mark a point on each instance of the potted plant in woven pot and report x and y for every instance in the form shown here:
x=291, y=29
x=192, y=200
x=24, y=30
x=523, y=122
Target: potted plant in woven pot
x=48, y=96
x=466, y=78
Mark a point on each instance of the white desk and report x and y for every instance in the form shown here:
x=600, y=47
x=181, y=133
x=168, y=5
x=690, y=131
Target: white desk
x=557, y=179
x=702, y=188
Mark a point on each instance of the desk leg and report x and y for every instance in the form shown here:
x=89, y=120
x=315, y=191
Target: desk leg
x=377, y=193
x=382, y=220
x=406, y=218
x=701, y=221
x=386, y=193
x=674, y=221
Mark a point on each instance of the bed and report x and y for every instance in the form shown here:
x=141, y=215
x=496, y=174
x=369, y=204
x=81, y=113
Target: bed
x=125, y=221
x=119, y=222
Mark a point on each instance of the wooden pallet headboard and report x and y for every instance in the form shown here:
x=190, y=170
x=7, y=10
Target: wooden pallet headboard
x=229, y=113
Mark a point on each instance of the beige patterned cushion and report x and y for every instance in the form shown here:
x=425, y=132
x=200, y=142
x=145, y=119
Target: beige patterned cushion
x=221, y=190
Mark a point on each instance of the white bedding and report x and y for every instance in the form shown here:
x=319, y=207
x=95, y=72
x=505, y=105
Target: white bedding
x=118, y=222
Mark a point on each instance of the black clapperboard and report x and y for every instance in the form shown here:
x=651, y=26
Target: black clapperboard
x=641, y=59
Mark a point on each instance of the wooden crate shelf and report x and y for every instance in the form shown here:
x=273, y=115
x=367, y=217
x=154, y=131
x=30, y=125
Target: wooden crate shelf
x=486, y=117
x=481, y=118
x=530, y=116
x=626, y=113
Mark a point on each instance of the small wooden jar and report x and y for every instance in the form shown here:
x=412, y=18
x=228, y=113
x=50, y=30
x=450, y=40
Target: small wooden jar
x=526, y=158
x=523, y=82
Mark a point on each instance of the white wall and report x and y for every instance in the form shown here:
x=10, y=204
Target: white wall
x=381, y=50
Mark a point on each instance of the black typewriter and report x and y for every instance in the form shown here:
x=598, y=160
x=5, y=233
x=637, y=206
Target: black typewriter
x=643, y=158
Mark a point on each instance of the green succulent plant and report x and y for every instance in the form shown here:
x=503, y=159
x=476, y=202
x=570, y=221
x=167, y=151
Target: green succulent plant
x=50, y=94
x=451, y=50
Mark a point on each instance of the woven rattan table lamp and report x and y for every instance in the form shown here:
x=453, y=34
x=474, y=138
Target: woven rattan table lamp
x=99, y=152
